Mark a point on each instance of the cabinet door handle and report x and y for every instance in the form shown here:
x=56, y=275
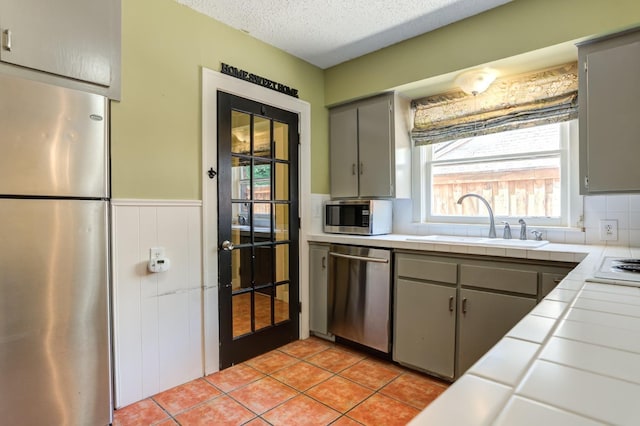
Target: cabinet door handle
x=451, y=304
x=7, y=40
x=324, y=262
x=353, y=169
x=557, y=280
x=361, y=168
x=464, y=305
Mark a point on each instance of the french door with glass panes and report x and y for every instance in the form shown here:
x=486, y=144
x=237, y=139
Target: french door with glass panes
x=257, y=228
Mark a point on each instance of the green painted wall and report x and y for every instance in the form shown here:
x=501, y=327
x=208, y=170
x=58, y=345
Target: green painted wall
x=156, y=143
x=515, y=28
x=156, y=128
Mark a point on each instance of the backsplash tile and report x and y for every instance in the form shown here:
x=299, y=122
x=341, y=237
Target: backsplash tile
x=617, y=203
x=625, y=208
x=574, y=237
x=634, y=203
x=595, y=204
x=317, y=202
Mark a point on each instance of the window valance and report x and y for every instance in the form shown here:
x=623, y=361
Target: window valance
x=532, y=99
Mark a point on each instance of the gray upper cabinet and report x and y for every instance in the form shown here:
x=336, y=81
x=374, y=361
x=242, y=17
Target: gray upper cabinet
x=77, y=39
x=369, y=148
x=375, y=122
x=609, y=107
x=344, y=153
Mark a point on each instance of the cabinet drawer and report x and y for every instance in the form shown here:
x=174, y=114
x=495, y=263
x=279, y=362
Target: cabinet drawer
x=505, y=279
x=425, y=268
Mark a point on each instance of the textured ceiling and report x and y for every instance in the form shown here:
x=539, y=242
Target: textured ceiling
x=328, y=32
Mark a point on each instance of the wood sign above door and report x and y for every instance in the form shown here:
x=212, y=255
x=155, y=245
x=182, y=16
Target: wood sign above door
x=256, y=79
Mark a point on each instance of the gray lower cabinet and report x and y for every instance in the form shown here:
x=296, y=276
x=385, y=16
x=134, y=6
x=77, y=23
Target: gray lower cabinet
x=450, y=310
x=318, y=258
x=485, y=318
x=425, y=313
x=425, y=324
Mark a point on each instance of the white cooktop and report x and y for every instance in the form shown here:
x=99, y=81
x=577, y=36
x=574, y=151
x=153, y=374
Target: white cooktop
x=611, y=271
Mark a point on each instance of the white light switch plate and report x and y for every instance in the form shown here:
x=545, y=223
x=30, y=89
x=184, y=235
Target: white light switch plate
x=608, y=230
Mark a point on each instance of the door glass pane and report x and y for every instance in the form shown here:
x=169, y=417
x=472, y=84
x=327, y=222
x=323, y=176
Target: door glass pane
x=282, y=181
x=282, y=262
x=236, y=235
x=262, y=220
x=240, y=189
x=240, y=214
x=281, y=140
x=241, y=313
x=261, y=137
x=282, y=222
x=240, y=133
x=240, y=223
x=241, y=268
x=262, y=181
x=281, y=303
x=263, y=308
x=263, y=265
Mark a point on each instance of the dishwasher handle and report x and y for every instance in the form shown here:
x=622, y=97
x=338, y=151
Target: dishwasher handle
x=361, y=258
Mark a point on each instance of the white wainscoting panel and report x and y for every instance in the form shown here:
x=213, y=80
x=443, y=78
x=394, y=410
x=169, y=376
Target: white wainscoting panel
x=158, y=318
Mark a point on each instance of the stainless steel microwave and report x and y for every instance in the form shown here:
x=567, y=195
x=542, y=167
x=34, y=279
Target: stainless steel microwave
x=360, y=217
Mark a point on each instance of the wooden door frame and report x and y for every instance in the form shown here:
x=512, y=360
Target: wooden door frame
x=212, y=82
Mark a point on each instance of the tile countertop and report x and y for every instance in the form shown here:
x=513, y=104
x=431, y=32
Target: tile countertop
x=574, y=360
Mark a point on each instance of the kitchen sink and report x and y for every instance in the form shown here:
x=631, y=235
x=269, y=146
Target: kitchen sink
x=481, y=241
x=450, y=239
x=499, y=242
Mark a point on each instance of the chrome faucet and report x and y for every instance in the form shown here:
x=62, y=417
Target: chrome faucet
x=523, y=229
x=537, y=235
x=492, y=223
x=506, y=234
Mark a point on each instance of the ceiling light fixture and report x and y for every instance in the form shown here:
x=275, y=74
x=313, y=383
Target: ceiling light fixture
x=475, y=81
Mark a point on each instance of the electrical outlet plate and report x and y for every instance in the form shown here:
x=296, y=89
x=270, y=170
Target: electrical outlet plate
x=156, y=252
x=608, y=230
x=157, y=260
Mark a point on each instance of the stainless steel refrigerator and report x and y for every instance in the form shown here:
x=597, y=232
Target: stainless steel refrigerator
x=54, y=256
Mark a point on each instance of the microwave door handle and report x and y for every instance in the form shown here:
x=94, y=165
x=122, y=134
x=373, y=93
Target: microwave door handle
x=362, y=258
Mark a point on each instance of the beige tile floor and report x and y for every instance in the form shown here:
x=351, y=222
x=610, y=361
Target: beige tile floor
x=307, y=382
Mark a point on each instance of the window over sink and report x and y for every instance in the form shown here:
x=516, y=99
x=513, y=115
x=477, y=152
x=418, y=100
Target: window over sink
x=528, y=173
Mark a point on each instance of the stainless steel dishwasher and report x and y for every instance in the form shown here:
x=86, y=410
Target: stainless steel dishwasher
x=359, y=296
